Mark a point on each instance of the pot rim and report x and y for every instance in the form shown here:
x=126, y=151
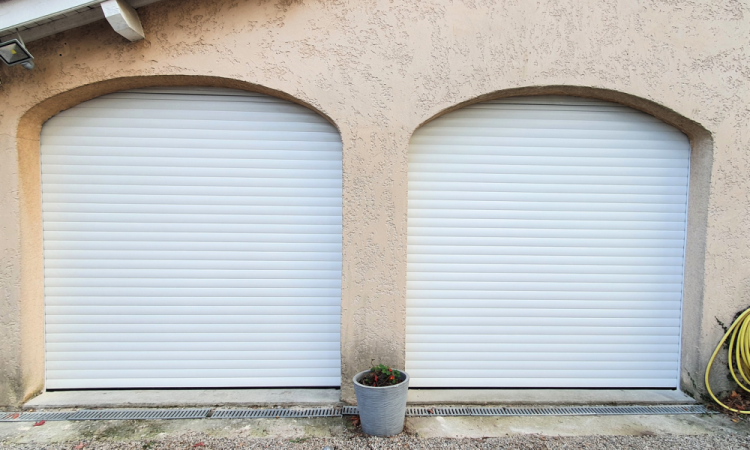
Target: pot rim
x=380, y=388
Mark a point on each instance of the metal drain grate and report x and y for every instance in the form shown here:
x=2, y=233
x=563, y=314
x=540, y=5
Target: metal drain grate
x=156, y=414
x=417, y=412
x=274, y=413
x=548, y=411
x=140, y=414
x=35, y=416
x=350, y=411
x=590, y=410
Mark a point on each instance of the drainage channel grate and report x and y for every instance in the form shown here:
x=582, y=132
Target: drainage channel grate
x=591, y=410
x=140, y=414
x=163, y=414
x=275, y=413
x=350, y=411
x=423, y=412
x=35, y=416
x=549, y=411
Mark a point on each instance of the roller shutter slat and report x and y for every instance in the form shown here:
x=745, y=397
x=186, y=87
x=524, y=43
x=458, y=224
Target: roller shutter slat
x=661, y=178
x=150, y=314
x=545, y=246
x=215, y=260
x=192, y=238
x=159, y=127
x=570, y=129
x=296, y=361
x=257, y=150
x=244, y=264
x=449, y=324
x=290, y=164
x=203, y=357
x=586, y=311
x=156, y=246
x=218, y=338
x=427, y=189
x=495, y=346
x=469, y=197
x=420, y=268
x=545, y=251
x=636, y=305
x=83, y=171
x=436, y=161
x=536, y=358
x=192, y=381
x=511, y=348
x=138, y=303
x=181, y=214
x=93, y=226
x=550, y=381
x=546, y=365
x=274, y=192
x=471, y=208
x=193, y=291
x=486, y=171
x=195, y=326
x=182, y=236
x=516, y=231
x=282, y=343
x=73, y=374
x=94, y=181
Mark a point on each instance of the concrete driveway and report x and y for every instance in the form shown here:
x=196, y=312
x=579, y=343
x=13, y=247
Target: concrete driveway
x=557, y=432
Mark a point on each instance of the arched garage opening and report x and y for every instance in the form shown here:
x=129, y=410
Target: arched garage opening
x=192, y=238
x=546, y=246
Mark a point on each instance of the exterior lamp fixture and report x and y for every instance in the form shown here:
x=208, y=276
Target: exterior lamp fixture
x=13, y=52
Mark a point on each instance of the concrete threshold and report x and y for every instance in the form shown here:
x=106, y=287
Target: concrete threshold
x=542, y=397
x=182, y=398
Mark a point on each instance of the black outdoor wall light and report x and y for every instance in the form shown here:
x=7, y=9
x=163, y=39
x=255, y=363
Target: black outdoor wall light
x=13, y=52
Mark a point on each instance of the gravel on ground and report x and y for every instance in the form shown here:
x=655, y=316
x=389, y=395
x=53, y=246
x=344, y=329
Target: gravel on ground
x=201, y=441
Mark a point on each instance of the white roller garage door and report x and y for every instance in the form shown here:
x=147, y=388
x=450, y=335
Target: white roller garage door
x=546, y=246
x=192, y=238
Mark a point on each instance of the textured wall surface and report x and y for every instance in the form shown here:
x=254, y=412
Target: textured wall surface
x=378, y=69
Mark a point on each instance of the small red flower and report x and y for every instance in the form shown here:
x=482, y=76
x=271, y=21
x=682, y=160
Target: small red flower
x=391, y=378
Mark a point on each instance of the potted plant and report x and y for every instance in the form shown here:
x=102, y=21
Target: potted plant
x=381, y=400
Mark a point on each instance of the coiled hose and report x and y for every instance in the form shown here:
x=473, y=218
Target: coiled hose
x=739, y=342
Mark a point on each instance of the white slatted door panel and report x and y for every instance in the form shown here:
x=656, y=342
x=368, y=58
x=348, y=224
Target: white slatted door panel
x=546, y=246
x=192, y=238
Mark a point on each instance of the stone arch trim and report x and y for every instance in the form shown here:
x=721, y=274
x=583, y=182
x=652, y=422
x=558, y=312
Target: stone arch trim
x=32, y=357
x=691, y=128
x=701, y=161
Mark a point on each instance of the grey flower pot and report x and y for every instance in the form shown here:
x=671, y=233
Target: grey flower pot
x=381, y=409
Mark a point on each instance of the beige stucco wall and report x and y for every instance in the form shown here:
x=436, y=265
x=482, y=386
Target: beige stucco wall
x=378, y=69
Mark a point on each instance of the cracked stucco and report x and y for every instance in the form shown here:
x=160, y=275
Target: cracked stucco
x=378, y=69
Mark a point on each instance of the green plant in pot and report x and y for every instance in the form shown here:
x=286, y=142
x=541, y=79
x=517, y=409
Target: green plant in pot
x=381, y=400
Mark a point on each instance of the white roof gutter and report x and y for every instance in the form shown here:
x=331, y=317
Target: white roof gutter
x=35, y=19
